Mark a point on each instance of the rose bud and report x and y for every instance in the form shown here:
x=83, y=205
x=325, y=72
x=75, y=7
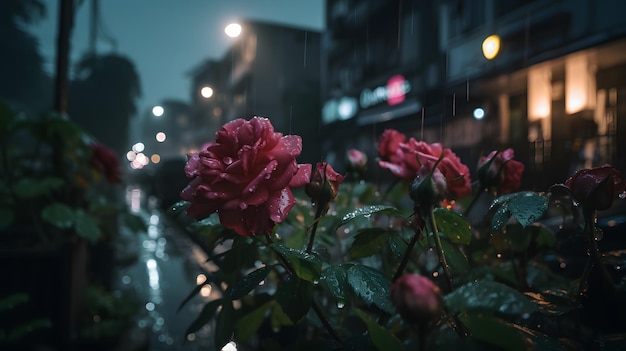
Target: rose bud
x=417, y=299
x=429, y=186
x=596, y=188
x=357, y=163
x=499, y=170
x=324, y=184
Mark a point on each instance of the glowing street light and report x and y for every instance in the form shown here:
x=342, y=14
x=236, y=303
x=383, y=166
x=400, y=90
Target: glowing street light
x=233, y=30
x=158, y=111
x=206, y=92
x=491, y=46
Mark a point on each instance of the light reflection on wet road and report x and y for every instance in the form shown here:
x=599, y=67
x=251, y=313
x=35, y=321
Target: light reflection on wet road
x=167, y=267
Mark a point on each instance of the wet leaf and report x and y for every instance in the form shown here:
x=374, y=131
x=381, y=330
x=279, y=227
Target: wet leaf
x=528, y=207
x=484, y=295
x=225, y=325
x=455, y=257
x=249, y=324
x=178, y=208
x=305, y=265
x=368, y=241
x=295, y=296
x=243, y=286
x=397, y=244
x=371, y=285
x=453, y=225
x=195, y=291
x=59, y=215
x=381, y=337
x=335, y=279
x=496, y=332
x=368, y=211
x=205, y=316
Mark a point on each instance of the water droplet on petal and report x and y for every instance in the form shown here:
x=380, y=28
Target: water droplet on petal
x=243, y=206
x=227, y=160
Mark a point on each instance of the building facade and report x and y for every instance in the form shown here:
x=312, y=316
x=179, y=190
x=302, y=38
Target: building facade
x=270, y=71
x=554, y=90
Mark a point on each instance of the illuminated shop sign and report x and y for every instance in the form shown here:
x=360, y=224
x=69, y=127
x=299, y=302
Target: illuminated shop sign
x=393, y=92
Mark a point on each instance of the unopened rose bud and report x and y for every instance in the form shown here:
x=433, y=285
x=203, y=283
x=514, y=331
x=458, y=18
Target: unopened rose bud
x=417, y=299
x=429, y=186
x=357, y=163
x=324, y=184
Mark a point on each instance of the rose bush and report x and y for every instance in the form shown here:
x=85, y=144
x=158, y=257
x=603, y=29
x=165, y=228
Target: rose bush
x=349, y=267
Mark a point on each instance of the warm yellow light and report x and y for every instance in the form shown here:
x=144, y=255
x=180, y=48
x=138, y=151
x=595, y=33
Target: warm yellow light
x=539, y=92
x=206, y=92
x=233, y=30
x=155, y=158
x=579, y=84
x=491, y=46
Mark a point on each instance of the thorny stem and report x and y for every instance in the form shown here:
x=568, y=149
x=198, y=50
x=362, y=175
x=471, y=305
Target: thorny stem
x=440, y=253
x=407, y=253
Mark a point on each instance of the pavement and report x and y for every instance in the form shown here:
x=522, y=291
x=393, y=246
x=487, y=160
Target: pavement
x=167, y=267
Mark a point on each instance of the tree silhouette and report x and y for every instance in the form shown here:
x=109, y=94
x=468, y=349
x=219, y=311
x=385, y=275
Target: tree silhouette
x=103, y=97
x=23, y=82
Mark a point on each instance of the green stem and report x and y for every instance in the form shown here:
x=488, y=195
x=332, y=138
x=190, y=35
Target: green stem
x=594, y=259
x=407, y=253
x=440, y=252
x=321, y=209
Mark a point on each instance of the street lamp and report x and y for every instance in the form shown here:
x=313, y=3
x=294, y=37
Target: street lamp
x=233, y=30
x=206, y=92
x=491, y=46
x=158, y=111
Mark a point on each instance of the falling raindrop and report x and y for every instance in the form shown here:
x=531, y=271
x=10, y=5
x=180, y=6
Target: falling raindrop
x=467, y=90
x=422, y=130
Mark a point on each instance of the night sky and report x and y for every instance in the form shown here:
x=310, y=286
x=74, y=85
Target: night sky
x=167, y=38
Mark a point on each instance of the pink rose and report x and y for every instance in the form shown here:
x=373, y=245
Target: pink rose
x=500, y=170
x=417, y=299
x=404, y=159
x=324, y=184
x=246, y=176
x=106, y=162
x=596, y=188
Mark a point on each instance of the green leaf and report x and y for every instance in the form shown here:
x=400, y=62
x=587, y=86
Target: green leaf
x=527, y=207
x=371, y=285
x=178, y=208
x=295, y=296
x=367, y=211
x=30, y=188
x=243, y=286
x=335, y=279
x=59, y=215
x=225, y=325
x=453, y=225
x=397, y=244
x=381, y=337
x=249, y=324
x=368, y=241
x=455, y=257
x=496, y=332
x=86, y=226
x=484, y=295
x=205, y=316
x=305, y=265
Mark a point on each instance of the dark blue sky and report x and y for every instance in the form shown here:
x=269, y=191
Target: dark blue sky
x=167, y=38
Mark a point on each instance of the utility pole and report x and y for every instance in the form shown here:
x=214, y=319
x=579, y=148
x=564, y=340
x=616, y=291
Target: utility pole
x=66, y=22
